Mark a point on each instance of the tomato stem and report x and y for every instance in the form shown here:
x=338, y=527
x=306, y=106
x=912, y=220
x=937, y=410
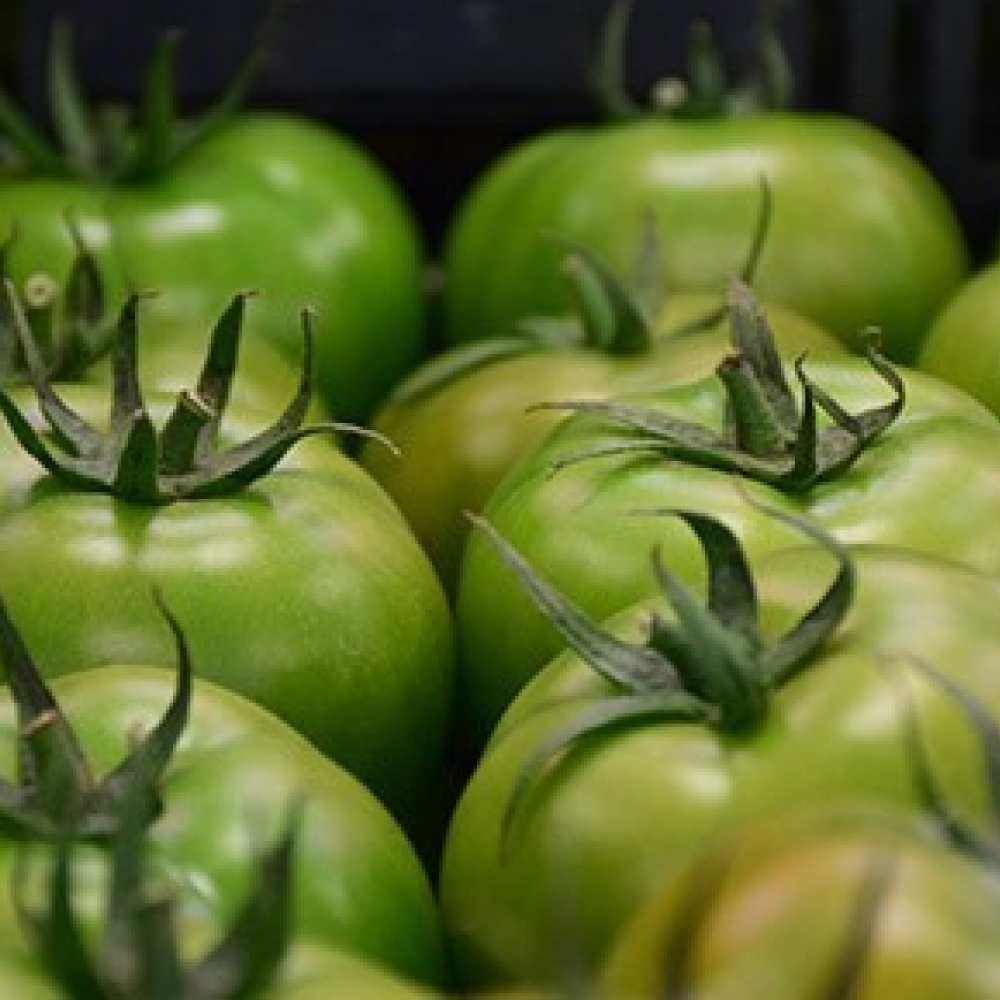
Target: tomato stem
x=705, y=91
x=769, y=436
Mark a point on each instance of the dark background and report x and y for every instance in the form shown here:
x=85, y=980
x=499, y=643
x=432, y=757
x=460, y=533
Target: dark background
x=436, y=89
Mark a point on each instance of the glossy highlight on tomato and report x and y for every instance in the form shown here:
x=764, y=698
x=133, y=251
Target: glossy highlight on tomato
x=300, y=583
x=862, y=232
x=201, y=207
x=929, y=482
x=601, y=821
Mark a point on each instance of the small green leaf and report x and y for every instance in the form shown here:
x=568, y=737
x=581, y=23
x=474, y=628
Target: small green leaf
x=157, y=115
x=768, y=437
x=732, y=595
x=983, y=847
x=706, y=86
x=247, y=958
x=56, y=794
x=135, y=461
x=623, y=663
x=708, y=664
x=455, y=363
x=847, y=973
x=613, y=321
x=73, y=118
x=30, y=144
x=607, y=71
x=58, y=938
x=716, y=663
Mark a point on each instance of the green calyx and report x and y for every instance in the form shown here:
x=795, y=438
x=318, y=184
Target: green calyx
x=611, y=316
x=707, y=664
x=115, y=143
x=134, y=460
x=56, y=795
x=618, y=317
x=705, y=92
x=57, y=804
x=70, y=326
x=138, y=954
x=984, y=846
x=770, y=436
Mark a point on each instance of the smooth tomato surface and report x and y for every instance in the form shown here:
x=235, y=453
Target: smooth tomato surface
x=272, y=201
x=459, y=439
x=930, y=482
x=626, y=809
x=861, y=233
x=306, y=592
x=901, y=914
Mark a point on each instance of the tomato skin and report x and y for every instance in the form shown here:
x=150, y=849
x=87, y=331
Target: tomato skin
x=266, y=378
x=861, y=234
x=226, y=792
x=317, y=975
x=271, y=201
x=459, y=440
x=627, y=808
x=764, y=935
x=961, y=344
x=931, y=482
x=306, y=592
x=308, y=972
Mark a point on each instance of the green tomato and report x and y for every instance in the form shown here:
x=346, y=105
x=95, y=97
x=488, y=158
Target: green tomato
x=619, y=812
x=460, y=436
x=901, y=914
x=305, y=591
x=320, y=975
x=234, y=774
x=961, y=344
x=527, y=993
x=861, y=234
x=169, y=359
x=269, y=201
x=930, y=482
x=307, y=972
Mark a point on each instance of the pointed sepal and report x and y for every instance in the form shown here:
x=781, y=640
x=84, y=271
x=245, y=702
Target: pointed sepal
x=769, y=435
x=983, y=845
x=134, y=460
x=138, y=953
x=707, y=663
x=110, y=143
x=56, y=793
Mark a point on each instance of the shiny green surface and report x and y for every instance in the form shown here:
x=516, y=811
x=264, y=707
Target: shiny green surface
x=861, y=233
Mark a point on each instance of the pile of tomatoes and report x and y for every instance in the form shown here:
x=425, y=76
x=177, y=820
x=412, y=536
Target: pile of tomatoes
x=616, y=619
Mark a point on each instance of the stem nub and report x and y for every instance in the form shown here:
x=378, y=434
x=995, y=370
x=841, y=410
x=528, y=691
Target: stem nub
x=770, y=436
x=706, y=90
